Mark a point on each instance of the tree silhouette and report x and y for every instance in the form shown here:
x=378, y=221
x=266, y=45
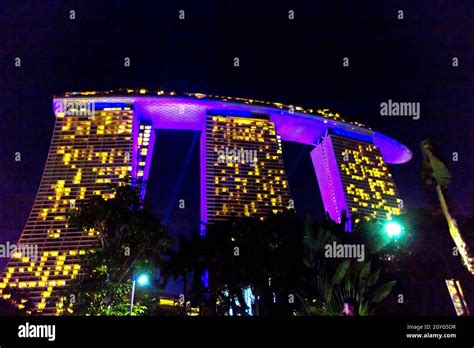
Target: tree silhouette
x=131, y=239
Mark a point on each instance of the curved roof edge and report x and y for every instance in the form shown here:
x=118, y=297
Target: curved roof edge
x=292, y=123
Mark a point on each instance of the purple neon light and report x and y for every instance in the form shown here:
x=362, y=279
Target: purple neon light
x=203, y=182
x=187, y=113
x=149, y=155
x=135, y=127
x=329, y=180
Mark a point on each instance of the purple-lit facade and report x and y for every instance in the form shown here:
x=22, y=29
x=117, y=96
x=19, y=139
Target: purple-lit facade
x=354, y=180
x=89, y=152
x=292, y=123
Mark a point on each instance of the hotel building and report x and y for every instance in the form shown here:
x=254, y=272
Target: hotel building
x=100, y=138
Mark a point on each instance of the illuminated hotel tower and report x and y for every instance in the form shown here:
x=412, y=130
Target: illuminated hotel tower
x=354, y=178
x=88, y=154
x=245, y=175
x=100, y=138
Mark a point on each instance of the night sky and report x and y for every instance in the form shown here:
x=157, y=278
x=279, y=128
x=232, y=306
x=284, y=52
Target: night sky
x=291, y=61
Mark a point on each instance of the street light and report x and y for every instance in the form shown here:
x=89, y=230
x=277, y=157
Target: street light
x=142, y=280
x=393, y=229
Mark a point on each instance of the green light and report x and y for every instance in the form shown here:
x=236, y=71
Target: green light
x=393, y=229
x=143, y=280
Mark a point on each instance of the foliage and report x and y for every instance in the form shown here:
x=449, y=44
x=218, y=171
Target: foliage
x=243, y=253
x=130, y=240
x=331, y=281
x=180, y=263
x=433, y=170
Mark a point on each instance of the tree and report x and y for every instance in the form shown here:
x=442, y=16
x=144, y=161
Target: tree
x=240, y=255
x=179, y=264
x=16, y=303
x=130, y=240
x=329, y=281
x=421, y=270
x=436, y=175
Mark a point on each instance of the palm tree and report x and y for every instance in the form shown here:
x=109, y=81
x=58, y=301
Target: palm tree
x=331, y=282
x=243, y=253
x=179, y=265
x=435, y=173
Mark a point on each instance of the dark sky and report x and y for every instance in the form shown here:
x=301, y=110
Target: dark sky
x=292, y=61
